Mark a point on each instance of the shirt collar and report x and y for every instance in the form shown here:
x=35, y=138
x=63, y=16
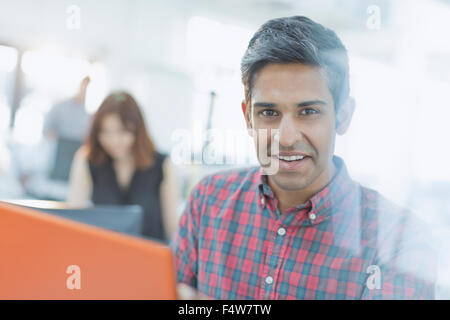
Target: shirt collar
x=326, y=201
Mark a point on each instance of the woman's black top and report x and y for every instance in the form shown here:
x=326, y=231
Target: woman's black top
x=144, y=190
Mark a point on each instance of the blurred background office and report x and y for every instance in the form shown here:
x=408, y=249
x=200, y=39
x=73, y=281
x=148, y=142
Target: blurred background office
x=180, y=60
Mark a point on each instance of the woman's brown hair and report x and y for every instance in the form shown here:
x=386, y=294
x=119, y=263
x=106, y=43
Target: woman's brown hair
x=124, y=105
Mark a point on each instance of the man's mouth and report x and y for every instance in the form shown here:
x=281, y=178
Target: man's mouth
x=290, y=158
x=292, y=161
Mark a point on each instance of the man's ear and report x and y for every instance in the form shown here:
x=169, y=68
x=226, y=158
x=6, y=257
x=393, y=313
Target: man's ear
x=247, y=116
x=344, y=115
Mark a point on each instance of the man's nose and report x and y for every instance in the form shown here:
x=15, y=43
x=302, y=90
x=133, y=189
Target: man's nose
x=288, y=133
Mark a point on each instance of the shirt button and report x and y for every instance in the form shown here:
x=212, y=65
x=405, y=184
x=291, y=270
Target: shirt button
x=269, y=280
x=263, y=202
x=281, y=231
x=312, y=216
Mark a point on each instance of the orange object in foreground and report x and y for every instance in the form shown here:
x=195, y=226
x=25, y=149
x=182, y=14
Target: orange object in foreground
x=47, y=257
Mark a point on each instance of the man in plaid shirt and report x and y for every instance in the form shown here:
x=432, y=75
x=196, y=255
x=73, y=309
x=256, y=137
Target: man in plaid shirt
x=298, y=227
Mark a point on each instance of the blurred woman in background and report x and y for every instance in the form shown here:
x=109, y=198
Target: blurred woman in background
x=119, y=165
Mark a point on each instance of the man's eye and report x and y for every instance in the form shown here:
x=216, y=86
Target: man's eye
x=268, y=113
x=308, y=111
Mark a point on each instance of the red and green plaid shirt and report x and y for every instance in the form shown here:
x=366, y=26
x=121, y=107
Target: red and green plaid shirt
x=346, y=242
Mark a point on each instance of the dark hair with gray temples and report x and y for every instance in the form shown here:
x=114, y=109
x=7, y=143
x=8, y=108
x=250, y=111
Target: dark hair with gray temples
x=298, y=39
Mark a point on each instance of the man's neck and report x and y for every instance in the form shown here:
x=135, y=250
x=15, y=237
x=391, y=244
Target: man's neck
x=290, y=198
x=80, y=100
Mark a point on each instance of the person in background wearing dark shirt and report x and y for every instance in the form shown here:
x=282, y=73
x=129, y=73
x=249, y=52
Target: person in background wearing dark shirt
x=305, y=230
x=119, y=165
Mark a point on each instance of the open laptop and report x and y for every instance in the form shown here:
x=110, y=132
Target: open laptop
x=126, y=219
x=48, y=257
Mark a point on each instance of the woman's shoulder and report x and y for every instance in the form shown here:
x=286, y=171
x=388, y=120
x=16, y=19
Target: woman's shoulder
x=81, y=158
x=160, y=162
x=81, y=155
x=161, y=158
x=80, y=163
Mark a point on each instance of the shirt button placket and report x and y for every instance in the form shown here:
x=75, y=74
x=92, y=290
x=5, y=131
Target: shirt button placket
x=268, y=283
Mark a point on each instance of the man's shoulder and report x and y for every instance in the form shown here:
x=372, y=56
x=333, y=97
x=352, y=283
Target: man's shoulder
x=404, y=237
x=230, y=179
x=384, y=212
x=59, y=108
x=394, y=221
x=62, y=104
x=67, y=105
x=385, y=208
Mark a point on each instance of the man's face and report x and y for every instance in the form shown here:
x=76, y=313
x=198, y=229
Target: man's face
x=295, y=99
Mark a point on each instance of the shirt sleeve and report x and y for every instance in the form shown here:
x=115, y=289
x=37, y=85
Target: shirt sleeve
x=409, y=271
x=51, y=121
x=185, y=241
